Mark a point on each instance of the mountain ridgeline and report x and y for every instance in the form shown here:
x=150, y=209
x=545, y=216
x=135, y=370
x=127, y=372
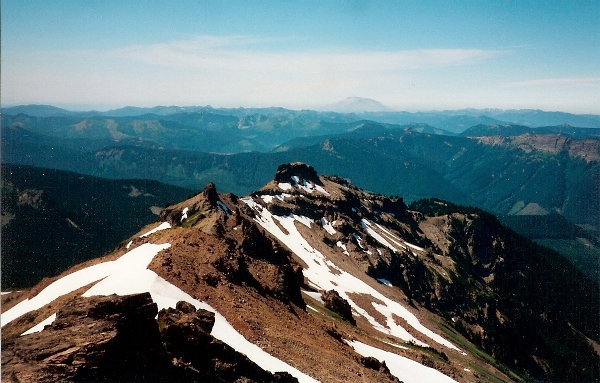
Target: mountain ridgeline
x=525, y=174
x=313, y=276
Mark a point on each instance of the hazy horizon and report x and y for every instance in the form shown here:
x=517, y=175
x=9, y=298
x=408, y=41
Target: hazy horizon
x=105, y=108
x=409, y=56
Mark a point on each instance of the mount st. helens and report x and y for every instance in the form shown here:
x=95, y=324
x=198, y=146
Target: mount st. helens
x=438, y=293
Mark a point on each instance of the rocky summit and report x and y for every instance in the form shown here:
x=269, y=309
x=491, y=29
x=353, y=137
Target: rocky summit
x=310, y=279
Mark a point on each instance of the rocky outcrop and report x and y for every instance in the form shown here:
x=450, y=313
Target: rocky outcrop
x=198, y=356
x=338, y=305
x=92, y=339
x=117, y=339
x=210, y=193
x=303, y=171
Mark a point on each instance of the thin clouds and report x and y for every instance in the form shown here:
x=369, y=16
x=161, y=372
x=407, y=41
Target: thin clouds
x=572, y=82
x=252, y=71
x=230, y=70
x=244, y=53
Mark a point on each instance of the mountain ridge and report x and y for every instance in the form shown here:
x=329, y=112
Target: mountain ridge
x=453, y=120
x=260, y=261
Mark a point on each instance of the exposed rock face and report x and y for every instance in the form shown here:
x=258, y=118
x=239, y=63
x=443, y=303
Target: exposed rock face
x=117, y=339
x=198, y=356
x=92, y=339
x=377, y=365
x=306, y=172
x=339, y=305
x=210, y=193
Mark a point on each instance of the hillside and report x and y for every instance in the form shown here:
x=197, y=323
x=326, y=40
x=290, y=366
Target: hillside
x=313, y=276
x=504, y=175
x=53, y=219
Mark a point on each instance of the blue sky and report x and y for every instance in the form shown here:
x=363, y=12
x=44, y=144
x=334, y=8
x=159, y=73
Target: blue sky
x=409, y=55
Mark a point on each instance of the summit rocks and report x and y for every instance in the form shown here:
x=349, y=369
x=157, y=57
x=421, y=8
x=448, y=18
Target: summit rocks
x=303, y=171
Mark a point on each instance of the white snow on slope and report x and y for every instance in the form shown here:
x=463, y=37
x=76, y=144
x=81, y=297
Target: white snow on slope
x=308, y=187
x=343, y=247
x=405, y=369
x=184, y=213
x=40, y=326
x=129, y=275
x=267, y=198
x=80, y=278
x=314, y=295
x=164, y=294
x=162, y=226
x=385, y=282
x=319, y=273
x=358, y=240
x=414, y=246
x=328, y=226
x=384, y=238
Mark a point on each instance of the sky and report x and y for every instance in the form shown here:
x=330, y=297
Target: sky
x=408, y=55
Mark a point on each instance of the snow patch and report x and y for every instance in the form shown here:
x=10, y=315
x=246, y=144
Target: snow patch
x=299, y=183
x=414, y=246
x=358, y=240
x=126, y=265
x=128, y=244
x=302, y=219
x=267, y=198
x=404, y=369
x=385, y=282
x=184, y=213
x=328, y=226
x=40, y=326
x=314, y=295
x=343, y=247
x=395, y=345
x=162, y=226
x=386, y=238
x=312, y=308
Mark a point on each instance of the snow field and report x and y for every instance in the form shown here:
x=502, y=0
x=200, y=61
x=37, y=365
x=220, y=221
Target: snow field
x=405, y=369
x=129, y=275
x=319, y=273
